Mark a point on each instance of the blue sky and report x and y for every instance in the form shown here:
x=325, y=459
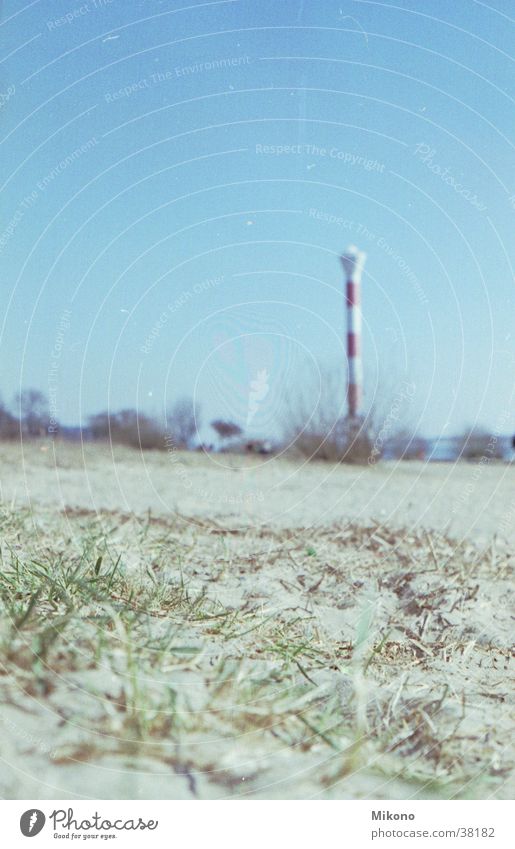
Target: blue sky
x=180, y=178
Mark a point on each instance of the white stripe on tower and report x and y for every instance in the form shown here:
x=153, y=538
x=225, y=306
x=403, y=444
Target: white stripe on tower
x=353, y=262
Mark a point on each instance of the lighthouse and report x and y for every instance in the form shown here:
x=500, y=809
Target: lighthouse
x=353, y=261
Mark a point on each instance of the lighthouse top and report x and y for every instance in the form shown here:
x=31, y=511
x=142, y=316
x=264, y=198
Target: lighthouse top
x=353, y=261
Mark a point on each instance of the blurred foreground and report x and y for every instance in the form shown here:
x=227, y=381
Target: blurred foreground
x=163, y=634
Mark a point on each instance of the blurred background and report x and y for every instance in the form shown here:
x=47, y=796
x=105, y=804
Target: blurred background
x=180, y=180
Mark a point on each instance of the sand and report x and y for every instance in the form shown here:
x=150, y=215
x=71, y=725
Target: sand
x=368, y=650
x=466, y=500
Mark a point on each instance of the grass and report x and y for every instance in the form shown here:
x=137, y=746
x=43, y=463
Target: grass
x=339, y=662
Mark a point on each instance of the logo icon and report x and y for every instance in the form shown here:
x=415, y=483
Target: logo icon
x=259, y=389
x=31, y=822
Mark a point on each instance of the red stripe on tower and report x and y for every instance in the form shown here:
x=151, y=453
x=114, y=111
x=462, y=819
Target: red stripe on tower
x=353, y=345
x=353, y=294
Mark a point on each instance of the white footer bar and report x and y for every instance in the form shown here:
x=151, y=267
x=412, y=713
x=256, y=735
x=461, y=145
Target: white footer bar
x=259, y=824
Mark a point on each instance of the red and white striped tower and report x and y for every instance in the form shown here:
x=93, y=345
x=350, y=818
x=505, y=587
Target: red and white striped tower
x=353, y=261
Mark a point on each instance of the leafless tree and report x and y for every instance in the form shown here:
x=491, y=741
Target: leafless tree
x=9, y=424
x=98, y=425
x=34, y=415
x=225, y=429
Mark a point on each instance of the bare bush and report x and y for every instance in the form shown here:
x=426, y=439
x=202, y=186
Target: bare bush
x=9, y=424
x=128, y=427
x=317, y=427
x=137, y=430
x=478, y=442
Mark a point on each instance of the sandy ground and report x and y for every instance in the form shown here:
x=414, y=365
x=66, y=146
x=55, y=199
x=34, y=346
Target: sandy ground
x=466, y=500
x=397, y=641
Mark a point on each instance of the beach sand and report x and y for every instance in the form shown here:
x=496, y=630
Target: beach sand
x=466, y=500
x=234, y=627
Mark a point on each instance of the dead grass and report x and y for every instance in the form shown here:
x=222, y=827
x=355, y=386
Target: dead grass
x=204, y=661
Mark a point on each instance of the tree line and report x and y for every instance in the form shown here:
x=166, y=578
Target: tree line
x=30, y=417
x=322, y=438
